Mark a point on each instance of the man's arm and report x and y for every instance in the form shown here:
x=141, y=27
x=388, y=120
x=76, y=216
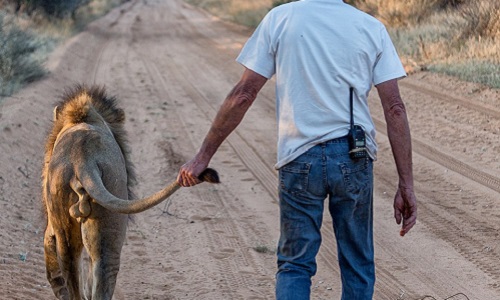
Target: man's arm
x=398, y=130
x=227, y=119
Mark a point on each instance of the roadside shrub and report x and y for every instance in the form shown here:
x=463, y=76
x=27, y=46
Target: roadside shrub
x=480, y=19
x=60, y=8
x=27, y=38
x=19, y=59
x=54, y=8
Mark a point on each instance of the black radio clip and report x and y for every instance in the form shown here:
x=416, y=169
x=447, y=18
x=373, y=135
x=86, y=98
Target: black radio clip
x=356, y=136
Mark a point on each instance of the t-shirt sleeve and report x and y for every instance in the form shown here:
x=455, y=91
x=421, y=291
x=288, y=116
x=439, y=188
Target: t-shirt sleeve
x=258, y=54
x=388, y=65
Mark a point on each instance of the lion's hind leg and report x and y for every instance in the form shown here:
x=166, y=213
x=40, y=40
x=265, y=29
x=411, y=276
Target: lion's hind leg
x=69, y=250
x=53, y=271
x=103, y=237
x=63, y=250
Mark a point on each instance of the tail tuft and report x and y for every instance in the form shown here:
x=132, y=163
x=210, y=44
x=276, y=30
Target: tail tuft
x=209, y=175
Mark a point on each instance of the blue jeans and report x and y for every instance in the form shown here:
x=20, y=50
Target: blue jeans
x=326, y=171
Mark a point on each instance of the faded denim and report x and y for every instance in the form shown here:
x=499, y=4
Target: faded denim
x=326, y=172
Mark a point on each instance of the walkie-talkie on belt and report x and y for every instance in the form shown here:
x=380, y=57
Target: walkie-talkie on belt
x=357, y=138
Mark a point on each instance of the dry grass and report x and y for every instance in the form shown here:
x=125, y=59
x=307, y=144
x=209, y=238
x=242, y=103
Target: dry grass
x=463, y=42
x=397, y=13
x=480, y=19
x=27, y=39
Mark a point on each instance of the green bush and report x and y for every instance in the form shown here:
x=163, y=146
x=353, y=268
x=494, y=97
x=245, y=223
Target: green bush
x=20, y=62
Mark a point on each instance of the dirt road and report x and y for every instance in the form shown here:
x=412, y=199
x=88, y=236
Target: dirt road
x=171, y=66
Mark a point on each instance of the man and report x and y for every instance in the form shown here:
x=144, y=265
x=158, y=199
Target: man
x=318, y=50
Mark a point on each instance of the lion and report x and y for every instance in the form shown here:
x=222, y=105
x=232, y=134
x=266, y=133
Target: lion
x=87, y=179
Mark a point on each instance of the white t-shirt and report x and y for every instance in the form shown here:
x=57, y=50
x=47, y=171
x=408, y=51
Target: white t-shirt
x=318, y=49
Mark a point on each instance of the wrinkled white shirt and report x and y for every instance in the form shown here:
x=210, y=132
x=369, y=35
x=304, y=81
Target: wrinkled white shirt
x=318, y=49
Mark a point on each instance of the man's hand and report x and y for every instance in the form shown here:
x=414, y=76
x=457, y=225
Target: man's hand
x=189, y=172
x=405, y=209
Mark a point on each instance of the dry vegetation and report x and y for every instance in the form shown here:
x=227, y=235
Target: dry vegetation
x=456, y=37
x=30, y=29
x=20, y=61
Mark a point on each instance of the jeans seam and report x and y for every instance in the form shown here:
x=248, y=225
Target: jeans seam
x=324, y=170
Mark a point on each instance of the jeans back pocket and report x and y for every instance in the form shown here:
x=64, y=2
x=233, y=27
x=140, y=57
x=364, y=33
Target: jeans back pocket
x=294, y=177
x=357, y=175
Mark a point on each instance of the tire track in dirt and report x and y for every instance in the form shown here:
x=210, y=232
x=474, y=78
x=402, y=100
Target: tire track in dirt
x=218, y=232
x=140, y=247
x=123, y=11
x=487, y=110
x=237, y=266
x=447, y=161
x=98, y=62
x=447, y=229
x=451, y=228
x=106, y=53
x=223, y=235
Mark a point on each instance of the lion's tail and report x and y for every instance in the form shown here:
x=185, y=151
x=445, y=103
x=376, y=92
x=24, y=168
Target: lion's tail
x=93, y=185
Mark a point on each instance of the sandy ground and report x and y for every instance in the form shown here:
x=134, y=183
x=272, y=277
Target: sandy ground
x=171, y=66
